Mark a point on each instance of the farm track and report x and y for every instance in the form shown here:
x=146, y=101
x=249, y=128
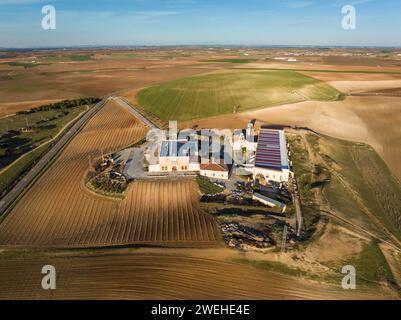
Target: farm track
x=58, y=211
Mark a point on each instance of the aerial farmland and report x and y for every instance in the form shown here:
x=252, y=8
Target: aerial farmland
x=190, y=172
x=62, y=209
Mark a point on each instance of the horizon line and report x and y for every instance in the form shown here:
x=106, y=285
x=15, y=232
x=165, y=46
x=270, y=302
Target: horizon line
x=210, y=46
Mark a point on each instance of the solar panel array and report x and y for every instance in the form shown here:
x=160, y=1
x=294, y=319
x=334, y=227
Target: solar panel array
x=268, y=153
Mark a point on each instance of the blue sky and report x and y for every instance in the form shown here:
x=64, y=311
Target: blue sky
x=170, y=22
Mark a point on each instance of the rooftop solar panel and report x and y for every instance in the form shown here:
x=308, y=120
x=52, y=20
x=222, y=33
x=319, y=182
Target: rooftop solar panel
x=270, y=152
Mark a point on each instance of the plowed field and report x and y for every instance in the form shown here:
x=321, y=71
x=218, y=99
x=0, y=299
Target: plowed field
x=162, y=276
x=58, y=211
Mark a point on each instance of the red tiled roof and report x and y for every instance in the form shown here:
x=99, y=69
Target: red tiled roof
x=214, y=167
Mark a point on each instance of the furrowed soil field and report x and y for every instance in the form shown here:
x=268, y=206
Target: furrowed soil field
x=178, y=275
x=231, y=92
x=58, y=211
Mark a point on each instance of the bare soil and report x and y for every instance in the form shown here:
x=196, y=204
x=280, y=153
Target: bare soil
x=59, y=211
x=156, y=275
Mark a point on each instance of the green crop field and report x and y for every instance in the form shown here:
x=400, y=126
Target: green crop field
x=231, y=92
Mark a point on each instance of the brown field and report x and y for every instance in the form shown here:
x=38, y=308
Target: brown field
x=106, y=71
x=152, y=274
x=350, y=83
x=361, y=61
x=353, y=76
x=59, y=211
x=303, y=65
x=10, y=108
x=365, y=86
x=22, y=89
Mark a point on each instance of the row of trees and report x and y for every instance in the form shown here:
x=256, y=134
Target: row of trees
x=65, y=104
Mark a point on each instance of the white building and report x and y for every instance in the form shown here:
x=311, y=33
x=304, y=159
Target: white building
x=271, y=162
x=177, y=156
x=269, y=201
x=183, y=156
x=267, y=158
x=245, y=139
x=215, y=171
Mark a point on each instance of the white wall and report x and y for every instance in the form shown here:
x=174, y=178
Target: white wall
x=272, y=175
x=159, y=167
x=154, y=168
x=214, y=174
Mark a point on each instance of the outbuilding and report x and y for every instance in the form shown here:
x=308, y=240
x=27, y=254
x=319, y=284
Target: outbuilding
x=215, y=171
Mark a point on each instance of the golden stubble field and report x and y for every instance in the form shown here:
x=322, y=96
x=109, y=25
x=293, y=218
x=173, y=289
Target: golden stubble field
x=59, y=211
